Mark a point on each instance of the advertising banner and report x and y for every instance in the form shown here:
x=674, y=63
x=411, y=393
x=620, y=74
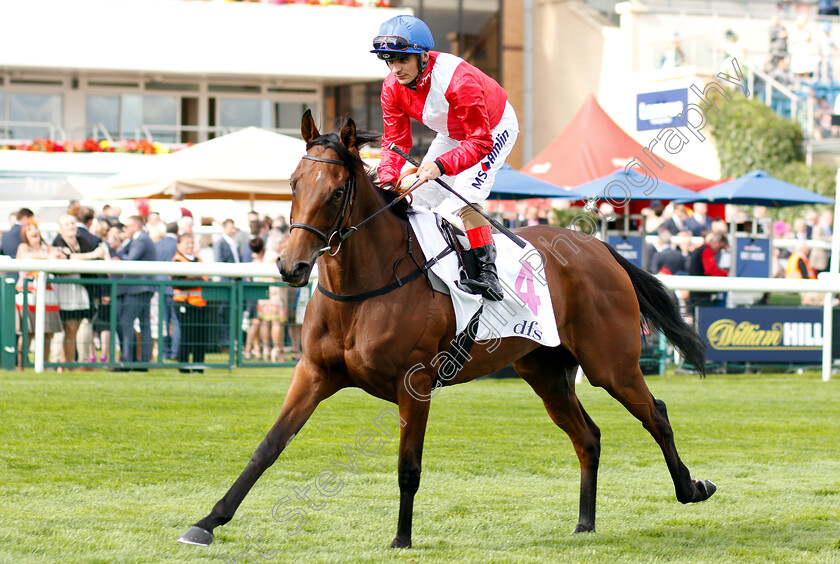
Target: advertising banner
x=752, y=257
x=630, y=247
x=657, y=110
x=763, y=334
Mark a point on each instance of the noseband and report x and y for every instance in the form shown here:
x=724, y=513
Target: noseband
x=341, y=218
x=341, y=234
x=343, y=213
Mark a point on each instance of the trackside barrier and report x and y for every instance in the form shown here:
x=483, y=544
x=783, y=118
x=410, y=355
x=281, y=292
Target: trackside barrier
x=221, y=323
x=7, y=328
x=827, y=282
x=238, y=293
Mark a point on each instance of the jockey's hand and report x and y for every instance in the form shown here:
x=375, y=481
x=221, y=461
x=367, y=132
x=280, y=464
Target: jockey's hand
x=429, y=171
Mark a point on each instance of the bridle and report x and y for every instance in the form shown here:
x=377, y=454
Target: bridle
x=343, y=216
x=340, y=234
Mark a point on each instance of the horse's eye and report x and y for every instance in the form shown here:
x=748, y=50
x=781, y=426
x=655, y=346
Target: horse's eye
x=338, y=194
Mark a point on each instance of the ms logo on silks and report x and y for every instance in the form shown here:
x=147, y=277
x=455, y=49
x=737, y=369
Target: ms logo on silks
x=491, y=158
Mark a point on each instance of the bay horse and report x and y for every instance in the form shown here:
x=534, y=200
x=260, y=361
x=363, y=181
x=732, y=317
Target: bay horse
x=376, y=339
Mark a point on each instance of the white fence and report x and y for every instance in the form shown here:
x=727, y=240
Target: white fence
x=829, y=283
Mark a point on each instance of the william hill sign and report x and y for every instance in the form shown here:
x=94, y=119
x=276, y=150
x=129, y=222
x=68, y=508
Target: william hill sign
x=762, y=334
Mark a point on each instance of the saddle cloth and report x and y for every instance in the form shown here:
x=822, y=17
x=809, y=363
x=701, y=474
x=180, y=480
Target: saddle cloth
x=526, y=309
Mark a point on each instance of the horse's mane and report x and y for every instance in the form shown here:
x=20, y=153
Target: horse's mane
x=357, y=166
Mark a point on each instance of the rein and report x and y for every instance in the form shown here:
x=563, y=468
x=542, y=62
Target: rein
x=340, y=235
x=346, y=204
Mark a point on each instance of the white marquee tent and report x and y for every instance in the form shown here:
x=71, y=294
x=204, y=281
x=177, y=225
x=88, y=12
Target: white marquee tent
x=248, y=164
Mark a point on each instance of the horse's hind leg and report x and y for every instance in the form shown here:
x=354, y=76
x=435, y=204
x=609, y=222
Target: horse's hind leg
x=550, y=372
x=624, y=381
x=307, y=389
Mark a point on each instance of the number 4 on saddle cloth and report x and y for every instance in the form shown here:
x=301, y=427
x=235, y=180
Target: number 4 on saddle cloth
x=526, y=309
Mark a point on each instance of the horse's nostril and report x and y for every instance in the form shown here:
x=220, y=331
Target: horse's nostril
x=294, y=274
x=301, y=269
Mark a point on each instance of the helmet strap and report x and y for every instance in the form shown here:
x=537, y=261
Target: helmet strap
x=421, y=65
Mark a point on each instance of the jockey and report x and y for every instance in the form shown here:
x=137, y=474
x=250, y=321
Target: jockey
x=476, y=129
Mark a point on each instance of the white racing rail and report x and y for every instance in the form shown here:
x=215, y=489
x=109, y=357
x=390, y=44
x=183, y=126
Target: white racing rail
x=43, y=267
x=829, y=283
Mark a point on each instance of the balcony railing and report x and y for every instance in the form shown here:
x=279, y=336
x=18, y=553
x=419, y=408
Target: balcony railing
x=10, y=131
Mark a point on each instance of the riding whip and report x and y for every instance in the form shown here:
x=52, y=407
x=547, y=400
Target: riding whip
x=510, y=234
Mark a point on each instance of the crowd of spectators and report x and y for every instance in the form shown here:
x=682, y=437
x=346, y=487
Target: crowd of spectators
x=799, y=54
x=689, y=242
x=79, y=315
x=801, y=59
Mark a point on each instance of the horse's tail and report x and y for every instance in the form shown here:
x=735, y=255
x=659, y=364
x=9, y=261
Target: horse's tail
x=660, y=311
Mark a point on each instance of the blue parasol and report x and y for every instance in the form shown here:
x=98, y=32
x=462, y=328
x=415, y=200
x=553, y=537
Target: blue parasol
x=511, y=184
x=638, y=187
x=757, y=188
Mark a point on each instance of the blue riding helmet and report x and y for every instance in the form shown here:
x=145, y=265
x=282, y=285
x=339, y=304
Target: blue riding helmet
x=400, y=36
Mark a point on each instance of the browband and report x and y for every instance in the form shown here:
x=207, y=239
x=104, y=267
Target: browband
x=323, y=160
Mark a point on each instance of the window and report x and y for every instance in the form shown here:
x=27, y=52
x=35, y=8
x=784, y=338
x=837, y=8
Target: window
x=287, y=116
x=467, y=28
x=131, y=116
x=360, y=102
x=241, y=112
x=43, y=109
x=470, y=29
x=103, y=112
x=160, y=116
x=244, y=112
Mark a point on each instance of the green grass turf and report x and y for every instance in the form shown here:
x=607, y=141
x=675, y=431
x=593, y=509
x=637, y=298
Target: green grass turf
x=113, y=467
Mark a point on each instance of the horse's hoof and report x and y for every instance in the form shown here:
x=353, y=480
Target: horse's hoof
x=401, y=543
x=581, y=528
x=703, y=490
x=197, y=536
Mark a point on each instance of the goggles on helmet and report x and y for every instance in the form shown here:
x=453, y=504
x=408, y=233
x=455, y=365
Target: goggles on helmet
x=383, y=45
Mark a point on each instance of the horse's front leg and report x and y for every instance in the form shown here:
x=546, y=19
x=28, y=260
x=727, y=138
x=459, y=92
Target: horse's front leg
x=414, y=412
x=308, y=388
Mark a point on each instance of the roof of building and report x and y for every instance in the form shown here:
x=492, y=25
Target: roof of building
x=327, y=44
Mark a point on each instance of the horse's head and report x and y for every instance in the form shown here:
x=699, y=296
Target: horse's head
x=323, y=191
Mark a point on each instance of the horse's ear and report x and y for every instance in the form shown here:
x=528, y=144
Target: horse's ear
x=348, y=134
x=308, y=129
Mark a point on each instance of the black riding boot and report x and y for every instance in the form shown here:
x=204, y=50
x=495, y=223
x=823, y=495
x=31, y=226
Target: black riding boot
x=487, y=282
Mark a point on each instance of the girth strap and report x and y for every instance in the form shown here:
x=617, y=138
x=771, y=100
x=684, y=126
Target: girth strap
x=398, y=283
x=459, y=351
